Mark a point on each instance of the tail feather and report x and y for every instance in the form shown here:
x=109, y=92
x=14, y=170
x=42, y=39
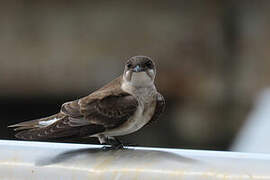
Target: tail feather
x=35, y=123
x=51, y=133
x=53, y=127
x=22, y=128
x=25, y=124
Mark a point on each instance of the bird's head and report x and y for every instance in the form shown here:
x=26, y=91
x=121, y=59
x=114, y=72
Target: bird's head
x=140, y=71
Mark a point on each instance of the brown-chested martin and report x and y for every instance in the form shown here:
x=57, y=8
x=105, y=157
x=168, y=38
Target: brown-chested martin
x=121, y=107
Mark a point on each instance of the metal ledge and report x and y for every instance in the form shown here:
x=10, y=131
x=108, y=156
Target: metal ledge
x=39, y=160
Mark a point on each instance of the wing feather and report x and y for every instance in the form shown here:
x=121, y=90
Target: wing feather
x=101, y=110
x=111, y=110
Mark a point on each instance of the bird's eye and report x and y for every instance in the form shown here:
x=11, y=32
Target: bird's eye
x=129, y=65
x=149, y=64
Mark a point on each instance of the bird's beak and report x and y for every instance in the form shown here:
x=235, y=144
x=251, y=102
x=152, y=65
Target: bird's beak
x=137, y=68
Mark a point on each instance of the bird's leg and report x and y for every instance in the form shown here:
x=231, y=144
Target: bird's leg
x=103, y=140
x=106, y=140
x=115, y=143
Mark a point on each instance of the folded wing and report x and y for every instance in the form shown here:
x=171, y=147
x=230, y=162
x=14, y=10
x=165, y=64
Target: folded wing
x=83, y=117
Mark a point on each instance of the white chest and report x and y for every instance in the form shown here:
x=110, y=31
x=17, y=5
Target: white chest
x=147, y=104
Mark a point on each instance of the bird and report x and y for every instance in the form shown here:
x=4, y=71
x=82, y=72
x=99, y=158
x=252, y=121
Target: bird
x=121, y=107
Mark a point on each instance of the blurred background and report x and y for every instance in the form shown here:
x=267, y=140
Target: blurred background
x=211, y=55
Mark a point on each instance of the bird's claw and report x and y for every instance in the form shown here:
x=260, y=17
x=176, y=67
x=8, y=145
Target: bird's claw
x=114, y=143
x=112, y=147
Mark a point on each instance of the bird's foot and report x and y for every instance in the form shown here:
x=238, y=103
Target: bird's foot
x=108, y=148
x=114, y=144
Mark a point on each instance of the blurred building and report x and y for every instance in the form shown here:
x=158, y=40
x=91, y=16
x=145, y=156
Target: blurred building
x=212, y=59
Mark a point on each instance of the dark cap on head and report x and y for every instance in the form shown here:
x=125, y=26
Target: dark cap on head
x=140, y=63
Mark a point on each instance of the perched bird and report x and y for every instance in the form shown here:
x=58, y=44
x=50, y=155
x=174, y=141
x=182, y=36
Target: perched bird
x=121, y=107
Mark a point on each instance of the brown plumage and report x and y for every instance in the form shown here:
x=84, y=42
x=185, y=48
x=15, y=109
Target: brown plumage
x=106, y=109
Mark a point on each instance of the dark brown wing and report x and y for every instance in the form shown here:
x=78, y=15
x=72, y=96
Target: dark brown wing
x=72, y=109
x=110, y=111
x=160, y=107
x=103, y=109
x=109, y=106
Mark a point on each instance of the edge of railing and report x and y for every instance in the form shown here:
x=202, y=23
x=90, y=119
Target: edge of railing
x=42, y=160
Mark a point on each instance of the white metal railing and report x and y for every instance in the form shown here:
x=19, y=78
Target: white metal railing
x=39, y=160
x=254, y=134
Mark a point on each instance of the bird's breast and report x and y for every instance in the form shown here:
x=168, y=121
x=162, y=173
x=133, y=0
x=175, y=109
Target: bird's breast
x=143, y=114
